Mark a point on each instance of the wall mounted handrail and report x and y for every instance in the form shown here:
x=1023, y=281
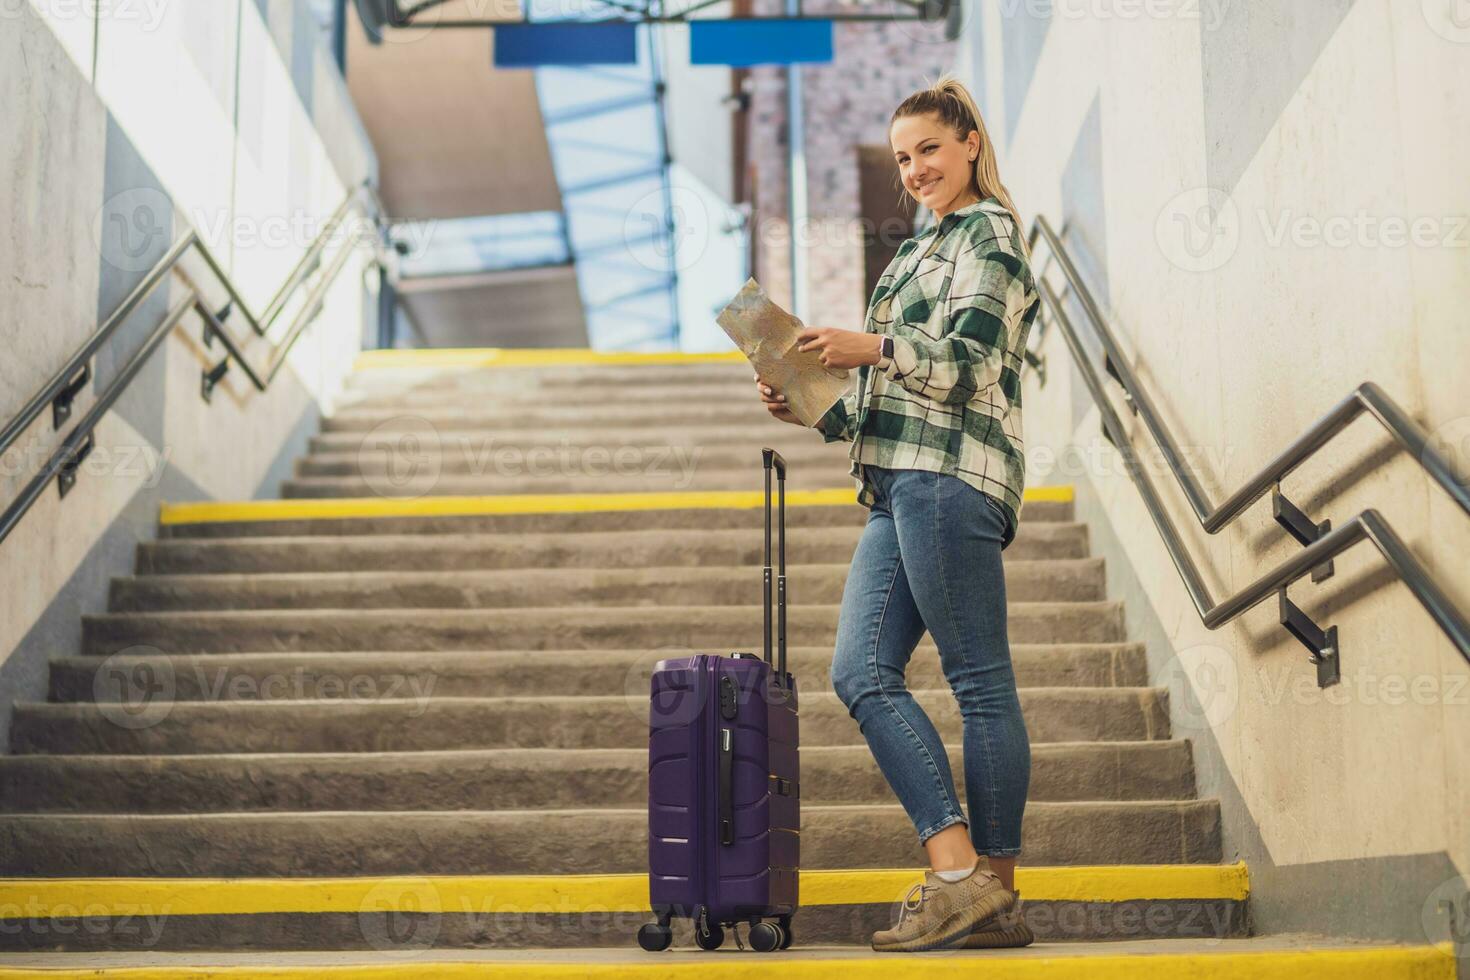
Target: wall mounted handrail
x=1367, y=397
x=1324, y=543
x=64, y=386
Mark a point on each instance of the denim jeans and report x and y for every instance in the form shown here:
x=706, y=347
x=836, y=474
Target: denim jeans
x=929, y=557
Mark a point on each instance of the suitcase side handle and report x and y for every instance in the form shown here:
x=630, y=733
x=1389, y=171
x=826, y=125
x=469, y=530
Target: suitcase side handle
x=772, y=461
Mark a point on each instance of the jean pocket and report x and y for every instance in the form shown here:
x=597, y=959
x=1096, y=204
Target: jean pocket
x=995, y=506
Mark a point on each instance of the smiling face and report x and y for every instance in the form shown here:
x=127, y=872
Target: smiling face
x=935, y=165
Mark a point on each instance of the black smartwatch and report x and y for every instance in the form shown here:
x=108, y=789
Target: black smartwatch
x=885, y=351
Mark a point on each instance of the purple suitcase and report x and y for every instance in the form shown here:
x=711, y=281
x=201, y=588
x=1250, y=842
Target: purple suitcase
x=723, y=781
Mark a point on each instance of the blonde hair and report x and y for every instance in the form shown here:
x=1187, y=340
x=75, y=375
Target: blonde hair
x=955, y=106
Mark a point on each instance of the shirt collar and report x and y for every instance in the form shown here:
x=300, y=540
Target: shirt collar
x=990, y=204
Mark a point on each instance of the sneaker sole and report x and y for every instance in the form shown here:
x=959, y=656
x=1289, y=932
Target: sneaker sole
x=1020, y=935
x=955, y=928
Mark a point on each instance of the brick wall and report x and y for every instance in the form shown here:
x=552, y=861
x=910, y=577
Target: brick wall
x=847, y=104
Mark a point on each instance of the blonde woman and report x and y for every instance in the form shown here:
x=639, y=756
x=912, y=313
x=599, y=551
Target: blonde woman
x=935, y=427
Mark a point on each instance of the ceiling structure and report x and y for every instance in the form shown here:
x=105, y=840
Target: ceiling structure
x=459, y=141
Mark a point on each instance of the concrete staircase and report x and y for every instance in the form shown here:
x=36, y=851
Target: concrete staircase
x=405, y=706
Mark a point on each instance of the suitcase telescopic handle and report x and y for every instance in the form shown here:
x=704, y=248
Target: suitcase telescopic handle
x=773, y=461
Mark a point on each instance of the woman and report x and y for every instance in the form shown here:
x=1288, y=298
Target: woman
x=936, y=447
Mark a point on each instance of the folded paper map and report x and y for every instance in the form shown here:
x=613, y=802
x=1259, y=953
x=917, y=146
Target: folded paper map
x=766, y=334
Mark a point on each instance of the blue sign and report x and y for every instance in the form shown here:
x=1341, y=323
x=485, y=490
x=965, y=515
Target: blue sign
x=535, y=45
x=759, y=42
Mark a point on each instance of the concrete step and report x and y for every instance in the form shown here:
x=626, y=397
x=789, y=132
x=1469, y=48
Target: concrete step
x=462, y=842
x=632, y=549
x=1055, y=580
x=594, y=393
x=626, y=470
x=370, y=723
x=489, y=414
x=670, y=517
x=546, y=377
x=493, y=949
x=514, y=673
x=409, y=431
x=521, y=779
x=544, y=628
x=485, y=456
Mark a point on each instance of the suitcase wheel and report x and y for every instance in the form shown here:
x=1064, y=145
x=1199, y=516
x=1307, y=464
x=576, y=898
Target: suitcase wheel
x=786, y=934
x=766, y=936
x=711, y=939
x=655, y=936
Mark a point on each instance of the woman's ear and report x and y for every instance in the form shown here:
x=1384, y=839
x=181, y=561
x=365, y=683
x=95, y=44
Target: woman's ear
x=972, y=142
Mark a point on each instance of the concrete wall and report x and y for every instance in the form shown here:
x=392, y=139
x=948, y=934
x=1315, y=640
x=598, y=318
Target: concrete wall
x=123, y=125
x=1270, y=201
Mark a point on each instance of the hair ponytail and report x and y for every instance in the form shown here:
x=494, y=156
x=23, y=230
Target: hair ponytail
x=951, y=101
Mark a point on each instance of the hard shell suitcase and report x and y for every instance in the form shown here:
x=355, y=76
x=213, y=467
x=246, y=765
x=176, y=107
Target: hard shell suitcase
x=723, y=780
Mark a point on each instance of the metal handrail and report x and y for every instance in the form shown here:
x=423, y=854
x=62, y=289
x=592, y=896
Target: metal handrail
x=62, y=389
x=1322, y=543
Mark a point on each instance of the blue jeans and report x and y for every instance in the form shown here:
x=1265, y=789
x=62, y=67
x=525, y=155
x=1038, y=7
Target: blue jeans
x=930, y=557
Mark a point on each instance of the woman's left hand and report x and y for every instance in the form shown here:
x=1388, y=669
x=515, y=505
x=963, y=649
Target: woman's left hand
x=841, y=348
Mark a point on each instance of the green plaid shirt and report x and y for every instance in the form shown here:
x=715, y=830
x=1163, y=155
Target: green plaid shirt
x=959, y=301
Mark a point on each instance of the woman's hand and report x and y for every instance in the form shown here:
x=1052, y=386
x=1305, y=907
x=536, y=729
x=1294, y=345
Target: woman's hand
x=841, y=348
x=775, y=403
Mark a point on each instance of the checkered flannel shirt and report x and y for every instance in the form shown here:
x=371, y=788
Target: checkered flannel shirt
x=959, y=301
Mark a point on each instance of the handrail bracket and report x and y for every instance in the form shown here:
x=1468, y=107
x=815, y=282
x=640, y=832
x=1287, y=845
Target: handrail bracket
x=1301, y=527
x=66, y=476
x=61, y=404
x=1320, y=643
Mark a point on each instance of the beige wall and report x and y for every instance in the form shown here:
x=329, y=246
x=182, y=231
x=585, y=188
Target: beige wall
x=119, y=133
x=1340, y=123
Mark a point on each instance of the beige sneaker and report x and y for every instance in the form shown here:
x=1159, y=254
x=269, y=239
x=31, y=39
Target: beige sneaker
x=938, y=913
x=1004, y=930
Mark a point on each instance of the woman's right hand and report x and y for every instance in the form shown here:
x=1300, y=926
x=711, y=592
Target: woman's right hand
x=775, y=403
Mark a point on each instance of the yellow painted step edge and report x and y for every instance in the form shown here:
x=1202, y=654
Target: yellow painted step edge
x=557, y=503
x=484, y=357
x=1035, y=963
x=25, y=898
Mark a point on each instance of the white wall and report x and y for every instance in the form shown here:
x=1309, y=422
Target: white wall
x=124, y=125
x=1337, y=118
